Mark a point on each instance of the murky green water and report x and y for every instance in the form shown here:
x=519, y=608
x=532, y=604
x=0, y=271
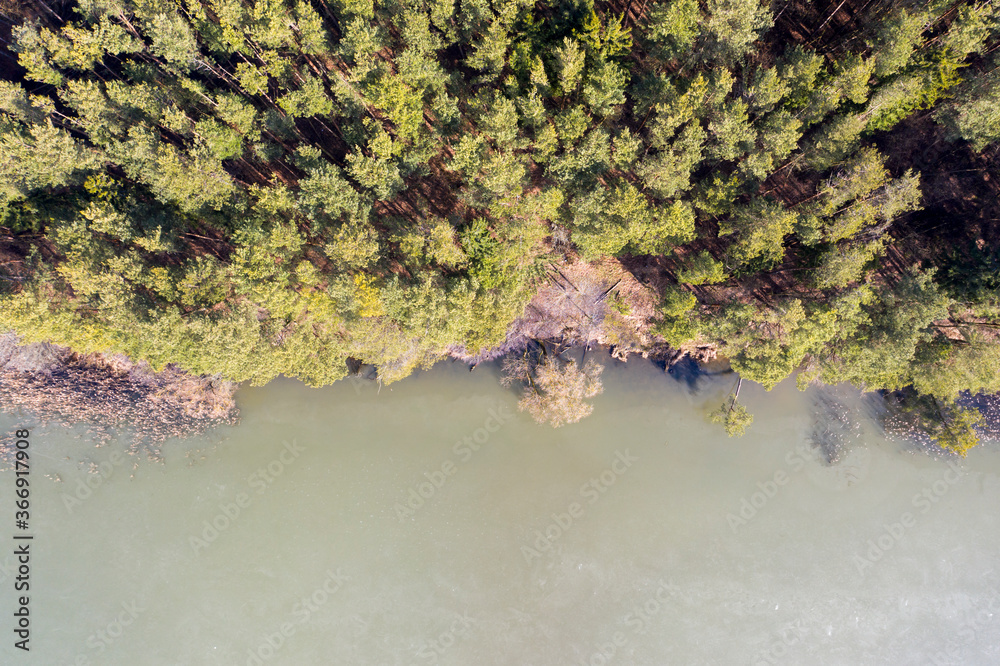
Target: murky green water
x=431, y=523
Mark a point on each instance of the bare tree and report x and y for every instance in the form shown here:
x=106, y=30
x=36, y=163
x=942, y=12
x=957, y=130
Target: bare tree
x=555, y=391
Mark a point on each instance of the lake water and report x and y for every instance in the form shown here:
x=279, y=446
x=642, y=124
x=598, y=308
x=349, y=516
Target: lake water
x=429, y=522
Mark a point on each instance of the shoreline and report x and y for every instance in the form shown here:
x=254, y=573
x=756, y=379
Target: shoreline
x=111, y=392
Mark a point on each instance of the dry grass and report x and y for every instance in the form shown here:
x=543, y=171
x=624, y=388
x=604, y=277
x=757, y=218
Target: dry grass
x=597, y=303
x=111, y=393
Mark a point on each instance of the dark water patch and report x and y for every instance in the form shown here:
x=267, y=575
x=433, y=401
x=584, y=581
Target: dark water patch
x=688, y=371
x=836, y=427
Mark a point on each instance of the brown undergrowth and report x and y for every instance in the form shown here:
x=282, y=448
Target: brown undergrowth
x=111, y=393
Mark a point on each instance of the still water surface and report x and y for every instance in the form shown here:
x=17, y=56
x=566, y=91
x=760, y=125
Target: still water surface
x=429, y=522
